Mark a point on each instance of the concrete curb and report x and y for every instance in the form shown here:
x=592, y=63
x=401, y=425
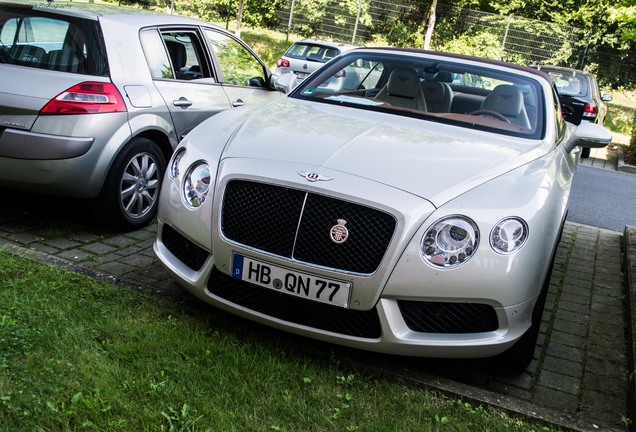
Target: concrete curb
x=622, y=166
x=629, y=263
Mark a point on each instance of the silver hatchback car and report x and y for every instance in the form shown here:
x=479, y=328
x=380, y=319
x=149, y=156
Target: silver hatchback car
x=94, y=100
x=308, y=55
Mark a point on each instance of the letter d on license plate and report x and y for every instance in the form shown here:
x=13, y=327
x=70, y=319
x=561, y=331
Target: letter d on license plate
x=291, y=282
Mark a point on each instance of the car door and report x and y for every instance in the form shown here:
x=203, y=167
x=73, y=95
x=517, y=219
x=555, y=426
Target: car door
x=244, y=76
x=183, y=74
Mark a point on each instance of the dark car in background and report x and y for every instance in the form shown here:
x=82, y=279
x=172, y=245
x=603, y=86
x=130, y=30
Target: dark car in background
x=93, y=99
x=580, y=97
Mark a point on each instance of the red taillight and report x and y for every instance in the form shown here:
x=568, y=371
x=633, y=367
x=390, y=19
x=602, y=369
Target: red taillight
x=341, y=74
x=282, y=63
x=590, y=108
x=86, y=98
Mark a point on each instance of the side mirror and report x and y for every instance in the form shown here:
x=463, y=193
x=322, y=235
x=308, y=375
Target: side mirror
x=256, y=82
x=606, y=97
x=588, y=134
x=285, y=83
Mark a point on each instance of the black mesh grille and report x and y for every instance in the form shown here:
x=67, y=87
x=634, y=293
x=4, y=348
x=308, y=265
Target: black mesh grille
x=262, y=216
x=432, y=317
x=364, y=324
x=370, y=232
x=190, y=254
x=296, y=224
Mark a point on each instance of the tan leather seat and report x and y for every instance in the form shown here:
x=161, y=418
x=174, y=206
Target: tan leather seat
x=403, y=89
x=438, y=95
x=508, y=101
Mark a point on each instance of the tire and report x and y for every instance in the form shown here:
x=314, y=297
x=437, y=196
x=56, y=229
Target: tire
x=130, y=195
x=518, y=357
x=585, y=152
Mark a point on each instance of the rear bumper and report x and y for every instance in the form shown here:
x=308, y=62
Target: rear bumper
x=19, y=144
x=62, y=155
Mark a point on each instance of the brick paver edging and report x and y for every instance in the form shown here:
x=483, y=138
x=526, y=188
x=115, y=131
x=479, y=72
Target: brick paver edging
x=629, y=257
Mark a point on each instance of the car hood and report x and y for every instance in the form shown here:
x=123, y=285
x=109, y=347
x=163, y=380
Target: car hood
x=431, y=160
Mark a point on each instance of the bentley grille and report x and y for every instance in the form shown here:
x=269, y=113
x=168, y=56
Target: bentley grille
x=296, y=224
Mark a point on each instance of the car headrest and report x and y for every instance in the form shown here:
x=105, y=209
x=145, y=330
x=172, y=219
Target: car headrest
x=404, y=83
x=505, y=99
x=177, y=53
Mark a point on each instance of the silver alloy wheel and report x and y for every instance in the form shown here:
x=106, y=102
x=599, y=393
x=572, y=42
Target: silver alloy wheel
x=140, y=185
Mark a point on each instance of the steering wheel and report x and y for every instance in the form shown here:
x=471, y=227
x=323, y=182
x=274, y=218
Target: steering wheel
x=491, y=114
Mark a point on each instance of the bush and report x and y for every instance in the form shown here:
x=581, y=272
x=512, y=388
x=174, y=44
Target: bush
x=632, y=141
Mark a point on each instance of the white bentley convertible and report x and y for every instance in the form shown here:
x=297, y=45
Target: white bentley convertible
x=416, y=214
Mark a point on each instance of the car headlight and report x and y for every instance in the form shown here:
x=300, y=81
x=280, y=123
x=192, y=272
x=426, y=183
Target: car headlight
x=196, y=184
x=174, y=170
x=450, y=242
x=509, y=235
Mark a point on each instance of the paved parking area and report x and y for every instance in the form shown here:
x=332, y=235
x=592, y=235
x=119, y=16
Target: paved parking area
x=577, y=379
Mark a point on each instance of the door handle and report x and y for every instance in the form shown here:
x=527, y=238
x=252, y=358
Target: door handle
x=238, y=103
x=182, y=102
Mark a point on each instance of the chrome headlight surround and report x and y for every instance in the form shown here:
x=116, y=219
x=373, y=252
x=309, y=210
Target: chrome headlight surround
x=509, y=235
x=174, y=169
x=450, y=242
x=196, y=184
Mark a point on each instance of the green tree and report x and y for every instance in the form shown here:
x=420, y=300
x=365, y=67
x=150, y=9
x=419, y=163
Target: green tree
x=624, y=18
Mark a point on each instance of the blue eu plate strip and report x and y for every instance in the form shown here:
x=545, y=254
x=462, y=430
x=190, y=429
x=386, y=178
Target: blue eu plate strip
x=237, y=268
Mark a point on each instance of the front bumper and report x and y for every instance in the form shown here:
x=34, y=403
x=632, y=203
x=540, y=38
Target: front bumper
x=437, y=327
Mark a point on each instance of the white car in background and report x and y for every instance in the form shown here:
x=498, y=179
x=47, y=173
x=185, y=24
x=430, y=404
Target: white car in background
x=307, y=56
x=369, y=219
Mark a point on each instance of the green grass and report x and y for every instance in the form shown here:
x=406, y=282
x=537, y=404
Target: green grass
x=80, y=354
x=268, y=44
x=619, y=119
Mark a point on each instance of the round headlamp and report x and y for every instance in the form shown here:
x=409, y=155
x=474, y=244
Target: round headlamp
x=196, y=184
x=174, y=170
x=450, y=242
x=509, y=235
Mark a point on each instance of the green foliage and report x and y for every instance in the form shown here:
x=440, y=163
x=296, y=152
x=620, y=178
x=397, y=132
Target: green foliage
x=269, y=45
x=395, y=32
x=207, y=10
x=632, y=142
x=624, y=17
x=403, y=27
x=482, y=44
x=313, y=11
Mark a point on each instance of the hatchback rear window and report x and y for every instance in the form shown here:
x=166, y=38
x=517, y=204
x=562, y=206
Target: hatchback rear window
x=47, y=41
x=569, y=83
x=313, y=52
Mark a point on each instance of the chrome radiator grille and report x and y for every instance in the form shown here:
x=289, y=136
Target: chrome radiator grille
x=297, y=224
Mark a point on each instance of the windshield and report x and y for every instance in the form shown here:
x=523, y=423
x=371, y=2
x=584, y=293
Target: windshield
x=451, y=90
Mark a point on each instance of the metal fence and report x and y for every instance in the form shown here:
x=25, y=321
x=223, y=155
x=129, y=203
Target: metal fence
x=511, y=38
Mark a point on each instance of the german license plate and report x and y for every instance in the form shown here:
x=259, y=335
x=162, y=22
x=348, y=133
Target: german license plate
x=301, y=75
x=291, y=282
